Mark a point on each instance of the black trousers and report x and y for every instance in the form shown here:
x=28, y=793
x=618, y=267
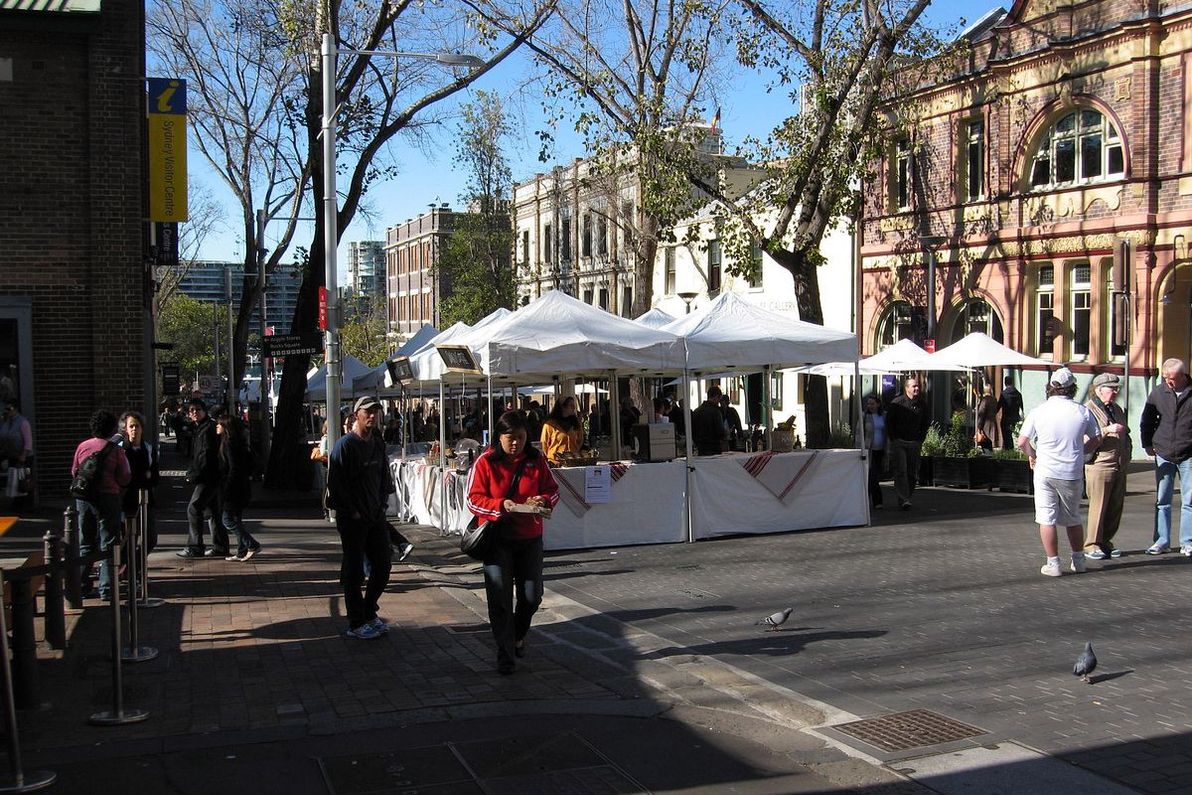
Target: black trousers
x=513, y=567
x=363, y=539
x=205, y=500
x=877, y=462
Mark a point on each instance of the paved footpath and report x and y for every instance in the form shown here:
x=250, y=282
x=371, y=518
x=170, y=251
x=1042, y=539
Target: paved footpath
x=646, y=672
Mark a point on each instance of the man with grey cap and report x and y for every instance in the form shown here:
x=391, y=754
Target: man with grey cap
x=359, y=483
x=1166, y=428
x=1105, y=471
x=1056, y=436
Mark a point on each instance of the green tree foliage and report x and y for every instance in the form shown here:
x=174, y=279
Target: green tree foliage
x=190, y=326
x=476, y=264
x=362, y=333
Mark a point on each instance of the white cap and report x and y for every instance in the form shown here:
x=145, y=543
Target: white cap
x=1062, y=377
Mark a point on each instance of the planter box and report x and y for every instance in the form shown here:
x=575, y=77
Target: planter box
x=926, y=470
x=963, y=473
x=1011, y=475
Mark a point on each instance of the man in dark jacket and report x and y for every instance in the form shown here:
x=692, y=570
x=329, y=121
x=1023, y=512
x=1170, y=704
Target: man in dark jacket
x=907, y=421
x=1009, y=403
x=707, y=425
x=359, y=483
x=1166, y=428
x=204, y=476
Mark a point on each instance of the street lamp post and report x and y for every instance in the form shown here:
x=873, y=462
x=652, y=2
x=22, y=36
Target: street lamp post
x=687, y=299
x=329, y=52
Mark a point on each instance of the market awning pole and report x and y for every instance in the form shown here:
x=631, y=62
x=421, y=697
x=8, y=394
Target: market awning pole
x=614, y=416
x=688, y=464
x=766, y=405
x=442, y=458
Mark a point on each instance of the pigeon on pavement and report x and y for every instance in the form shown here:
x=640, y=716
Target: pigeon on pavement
x=1086, y=663
x=775, y=619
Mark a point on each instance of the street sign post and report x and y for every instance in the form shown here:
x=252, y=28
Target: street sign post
x=292, y=345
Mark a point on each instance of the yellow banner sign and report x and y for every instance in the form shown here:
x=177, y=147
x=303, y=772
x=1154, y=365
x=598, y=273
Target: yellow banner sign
x=167, y=150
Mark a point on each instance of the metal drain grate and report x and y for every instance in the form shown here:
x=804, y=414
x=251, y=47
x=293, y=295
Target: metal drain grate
x=904, y=730
x=467, y=629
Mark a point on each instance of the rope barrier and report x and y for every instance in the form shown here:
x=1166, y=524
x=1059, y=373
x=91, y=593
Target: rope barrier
x=18, y=779
x=118, y=715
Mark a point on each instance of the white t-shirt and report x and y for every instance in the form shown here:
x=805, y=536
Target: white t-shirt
x=1057, y=430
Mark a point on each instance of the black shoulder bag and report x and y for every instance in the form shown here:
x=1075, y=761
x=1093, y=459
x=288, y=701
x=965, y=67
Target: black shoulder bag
x=479, y=537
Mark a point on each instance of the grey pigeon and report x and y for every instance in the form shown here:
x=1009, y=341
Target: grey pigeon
x=774, y=620
x=1086, y=663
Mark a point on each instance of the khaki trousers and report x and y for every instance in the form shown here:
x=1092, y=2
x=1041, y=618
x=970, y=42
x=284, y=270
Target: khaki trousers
x=1107, y=491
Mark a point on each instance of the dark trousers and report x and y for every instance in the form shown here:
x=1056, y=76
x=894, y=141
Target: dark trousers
x=363, y=540
x=513, y=567
x=100, y=525
x=205, y=500
x=1007, y=429
x=877, y=463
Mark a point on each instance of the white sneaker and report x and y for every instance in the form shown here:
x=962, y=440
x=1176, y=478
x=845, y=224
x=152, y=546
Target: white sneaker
x=1186, y=550
x=1078, y=565
x=1050, y=569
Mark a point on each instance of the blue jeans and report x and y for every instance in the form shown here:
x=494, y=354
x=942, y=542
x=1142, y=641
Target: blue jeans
x=100, y=524
x=513, y=566
x=233, y=522
x=1165, y=474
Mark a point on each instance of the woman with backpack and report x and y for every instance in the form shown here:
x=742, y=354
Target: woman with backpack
x=99, y=473
x=235, y=486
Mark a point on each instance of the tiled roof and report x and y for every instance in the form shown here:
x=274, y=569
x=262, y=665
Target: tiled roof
x=59, y=6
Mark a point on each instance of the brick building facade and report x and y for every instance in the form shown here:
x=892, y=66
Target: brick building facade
x=74, y=323
x=414, y=287
x=1014, y=175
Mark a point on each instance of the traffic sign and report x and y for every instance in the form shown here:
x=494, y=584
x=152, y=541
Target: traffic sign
x=292, y=345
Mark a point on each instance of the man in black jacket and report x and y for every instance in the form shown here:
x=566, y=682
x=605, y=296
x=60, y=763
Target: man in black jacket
x=907, y=421
x=1009, y=403
x=204, y=476
x=1166, y=428
x=707, y=425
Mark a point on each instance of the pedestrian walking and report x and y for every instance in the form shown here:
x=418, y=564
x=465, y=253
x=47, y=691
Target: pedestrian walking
x=145, y=473
x=1166, y=428
x=203, y=474
x=1105, y=472
x=986, y=420
x=16, y=449
x=875, y=441
x=907, y=421
x=512, y=473
x=99, y=513
x=359, y=483
x=235, y=484
x=1056, y=436
x=1009, y=405
x=707, y=425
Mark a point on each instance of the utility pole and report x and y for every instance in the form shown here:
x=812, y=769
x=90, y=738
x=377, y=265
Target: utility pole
x=266, y=363
x=232, y=392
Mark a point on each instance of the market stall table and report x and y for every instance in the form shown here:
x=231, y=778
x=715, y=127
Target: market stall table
x=645, y=507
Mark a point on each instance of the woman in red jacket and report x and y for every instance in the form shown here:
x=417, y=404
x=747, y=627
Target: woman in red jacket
x=515, y=563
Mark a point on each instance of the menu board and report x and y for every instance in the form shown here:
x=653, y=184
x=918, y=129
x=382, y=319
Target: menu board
x=458, y=358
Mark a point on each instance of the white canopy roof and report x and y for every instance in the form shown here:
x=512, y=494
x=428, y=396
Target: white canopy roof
x=836, y=369
x=375, y=378
x=426, y=362
x=655, y=318
x=904, y=356
x=981, y=350
x=560, y=334
x=733, y=332
x=350, y=369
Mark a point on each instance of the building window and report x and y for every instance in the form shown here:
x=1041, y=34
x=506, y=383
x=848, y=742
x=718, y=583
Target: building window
x=585, y=249
x=755, y=269
x=627, y=302
x=902, y=322
x=604, y=298
x=565, y=239
x=669, y=265
x=974, y=161
x=526, y=247
x=1115, y=303
x=978, y=315
x=776, y=382
x=902, y=175
x=1082, y=310
x=602, y=236
x=714, y=267
x=547, y=247
x=1081, y=147
x=1045, y=321
x=627, y=223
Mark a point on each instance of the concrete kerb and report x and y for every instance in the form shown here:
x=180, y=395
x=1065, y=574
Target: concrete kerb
x=697, y=688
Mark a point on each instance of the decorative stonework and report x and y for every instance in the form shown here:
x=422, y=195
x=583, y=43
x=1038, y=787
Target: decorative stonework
x=1121, y=89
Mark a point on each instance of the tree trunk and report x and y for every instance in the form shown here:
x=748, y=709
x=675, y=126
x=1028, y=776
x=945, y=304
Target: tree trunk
x=643, y=297
x=807, y=297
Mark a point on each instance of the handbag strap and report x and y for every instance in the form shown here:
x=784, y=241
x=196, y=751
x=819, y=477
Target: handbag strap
x=517, y=473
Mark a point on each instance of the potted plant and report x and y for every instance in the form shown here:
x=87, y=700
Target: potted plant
x=1012, y=472
x=959, y=462
x=932, y=447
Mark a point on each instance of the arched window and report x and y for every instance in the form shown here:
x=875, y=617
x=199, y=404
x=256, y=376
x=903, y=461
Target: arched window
x=901, y=321
x=1080, y=148
x=978, y=315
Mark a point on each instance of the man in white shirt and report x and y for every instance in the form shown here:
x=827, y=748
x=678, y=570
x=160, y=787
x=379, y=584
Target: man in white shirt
x=1056, y=436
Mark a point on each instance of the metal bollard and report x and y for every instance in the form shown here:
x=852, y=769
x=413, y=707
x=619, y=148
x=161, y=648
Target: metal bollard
x=118, y=715
x=54, y=606
x=24, y=645
x=74, y=575
x=134, y=652
x=17, y=780
x=145, y=600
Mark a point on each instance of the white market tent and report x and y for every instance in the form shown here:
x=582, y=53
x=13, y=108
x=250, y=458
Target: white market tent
x=981, y=350
x=426, y=362
x=730, y=331
x=905, y=356
x=655, y=318
x=316, y=384
x=374, y=379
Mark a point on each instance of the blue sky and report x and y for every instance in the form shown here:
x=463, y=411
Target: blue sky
x=750, y=110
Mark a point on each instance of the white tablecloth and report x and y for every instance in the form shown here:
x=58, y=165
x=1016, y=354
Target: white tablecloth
x=646, y=507
x=727, y=499
x=419, y=497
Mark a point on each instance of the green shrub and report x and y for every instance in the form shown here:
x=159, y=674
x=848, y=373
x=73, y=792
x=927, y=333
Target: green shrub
x=957, y=442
